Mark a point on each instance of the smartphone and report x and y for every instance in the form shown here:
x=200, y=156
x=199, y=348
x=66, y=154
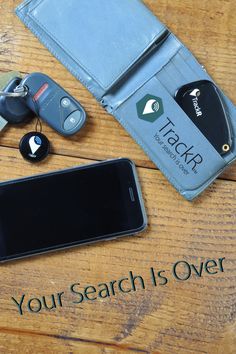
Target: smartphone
x=67, y=208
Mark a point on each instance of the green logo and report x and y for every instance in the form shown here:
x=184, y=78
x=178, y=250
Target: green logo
x=150, y=108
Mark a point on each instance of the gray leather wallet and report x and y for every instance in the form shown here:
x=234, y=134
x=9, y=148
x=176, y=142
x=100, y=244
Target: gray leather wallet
x=134, y=65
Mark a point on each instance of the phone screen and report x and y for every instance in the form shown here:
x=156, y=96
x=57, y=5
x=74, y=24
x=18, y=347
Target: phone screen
x=69, y=207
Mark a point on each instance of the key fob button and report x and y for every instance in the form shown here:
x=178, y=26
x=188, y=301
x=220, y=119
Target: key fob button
x=65, y=102
x=73, y=120
x=54, y=105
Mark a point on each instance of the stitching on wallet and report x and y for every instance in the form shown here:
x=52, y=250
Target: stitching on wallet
x=22, y=5
x=38, y=2
x=27, y=3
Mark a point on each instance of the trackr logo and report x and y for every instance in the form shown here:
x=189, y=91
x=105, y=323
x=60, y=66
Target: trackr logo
x=150, y=108
x=196, y=94
x=185, y=151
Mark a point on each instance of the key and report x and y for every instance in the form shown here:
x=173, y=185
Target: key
x=13, y=108
x=4, y=80
x=53, y=104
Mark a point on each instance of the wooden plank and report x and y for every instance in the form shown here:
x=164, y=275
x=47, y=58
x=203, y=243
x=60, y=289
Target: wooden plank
x=196, y=316
x=32, y=343
x=210, y=37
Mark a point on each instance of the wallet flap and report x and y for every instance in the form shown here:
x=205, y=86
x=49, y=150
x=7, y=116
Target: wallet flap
x=105, y=38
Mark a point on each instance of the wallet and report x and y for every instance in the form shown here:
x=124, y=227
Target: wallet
x=134, y=65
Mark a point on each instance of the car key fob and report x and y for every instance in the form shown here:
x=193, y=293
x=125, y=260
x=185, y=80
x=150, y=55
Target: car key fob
x=53, y=104
x=14, y=110
x=203, y=103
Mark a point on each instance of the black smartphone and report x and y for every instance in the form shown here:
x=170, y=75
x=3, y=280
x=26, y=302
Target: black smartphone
x=67, y=208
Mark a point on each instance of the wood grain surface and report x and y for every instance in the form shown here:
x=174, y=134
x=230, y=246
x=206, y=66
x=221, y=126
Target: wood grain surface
x=193, y=316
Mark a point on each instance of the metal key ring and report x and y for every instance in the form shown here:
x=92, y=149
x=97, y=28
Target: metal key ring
x=20, y=91
x=12, y=94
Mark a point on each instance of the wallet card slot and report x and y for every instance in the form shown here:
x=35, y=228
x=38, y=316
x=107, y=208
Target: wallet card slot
x=88, y=34
x=170, y=138
x=176, y=74
x=167, y=80
x=181, y=65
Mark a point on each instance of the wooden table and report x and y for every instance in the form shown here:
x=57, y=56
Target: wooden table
x=194, y=316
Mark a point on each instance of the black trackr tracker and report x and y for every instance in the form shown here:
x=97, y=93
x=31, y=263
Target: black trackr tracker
x=203, y=103
x=53, y=104
x=67, y=208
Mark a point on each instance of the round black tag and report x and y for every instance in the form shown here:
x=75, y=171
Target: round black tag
x=34, y=146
